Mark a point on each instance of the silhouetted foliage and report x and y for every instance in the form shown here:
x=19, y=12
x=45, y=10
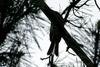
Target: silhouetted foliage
x=11, y=11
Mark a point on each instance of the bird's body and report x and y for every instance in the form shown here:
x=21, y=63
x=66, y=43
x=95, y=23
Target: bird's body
x=55, y=35
x=55, y=38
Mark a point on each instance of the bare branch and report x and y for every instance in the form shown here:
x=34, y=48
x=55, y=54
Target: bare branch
x=97, y=4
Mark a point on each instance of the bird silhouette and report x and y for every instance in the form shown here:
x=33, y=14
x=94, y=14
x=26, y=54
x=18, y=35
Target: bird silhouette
x=55, y=34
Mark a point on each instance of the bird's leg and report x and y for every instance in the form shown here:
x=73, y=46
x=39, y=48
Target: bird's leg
x=51, y=60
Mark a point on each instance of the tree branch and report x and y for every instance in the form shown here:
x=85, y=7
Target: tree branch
x=97, y=4
x=68, y=9
x=66, y=36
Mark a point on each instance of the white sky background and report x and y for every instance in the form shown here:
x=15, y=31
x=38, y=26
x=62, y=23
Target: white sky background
x=59, y=6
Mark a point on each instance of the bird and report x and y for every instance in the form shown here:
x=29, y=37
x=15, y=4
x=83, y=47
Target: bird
x=55, y=34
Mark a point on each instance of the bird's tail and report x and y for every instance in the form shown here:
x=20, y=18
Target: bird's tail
x=56, y=51
x=51, y=48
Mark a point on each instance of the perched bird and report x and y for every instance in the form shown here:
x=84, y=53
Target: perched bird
x=55, y=34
